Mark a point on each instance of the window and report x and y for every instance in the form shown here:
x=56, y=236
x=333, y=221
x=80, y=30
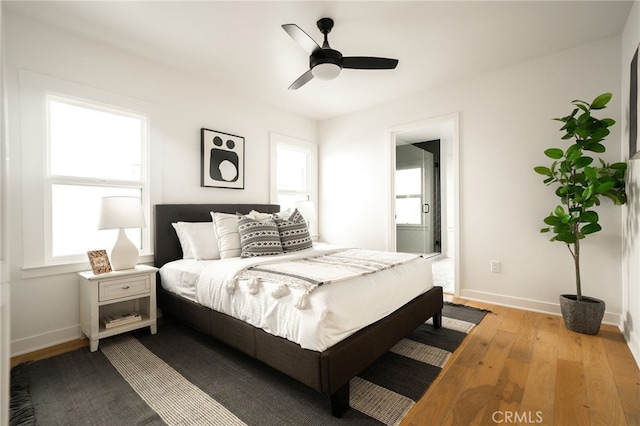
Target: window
x=293, y=173
x=409, y=196
x=93, y=151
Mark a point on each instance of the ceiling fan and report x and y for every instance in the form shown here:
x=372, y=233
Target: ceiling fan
x=326, y=63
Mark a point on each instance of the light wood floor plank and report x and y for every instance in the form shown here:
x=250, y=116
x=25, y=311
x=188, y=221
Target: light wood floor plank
x=470, y=406
x=625, y=372
x=605, y=407
x=539, y=389
x=570, y=403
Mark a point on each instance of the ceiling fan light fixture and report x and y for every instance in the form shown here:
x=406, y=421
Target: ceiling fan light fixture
x=326, y=71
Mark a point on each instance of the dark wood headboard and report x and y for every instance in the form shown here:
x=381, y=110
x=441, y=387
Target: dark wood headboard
x=166, y=244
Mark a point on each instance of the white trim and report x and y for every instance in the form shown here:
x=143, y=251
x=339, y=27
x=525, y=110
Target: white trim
x=69, y=267
x=633, y=343
x=528, y=304
x=393, y=132
x=45, y=340
x=34, y=90
x=276, y=139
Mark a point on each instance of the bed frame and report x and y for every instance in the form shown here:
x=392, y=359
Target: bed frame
x=328, y=372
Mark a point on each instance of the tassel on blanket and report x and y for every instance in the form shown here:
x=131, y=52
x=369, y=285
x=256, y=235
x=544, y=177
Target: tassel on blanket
x=231, y=285
x=303, y=302
x=281, y=291
x=252, y=285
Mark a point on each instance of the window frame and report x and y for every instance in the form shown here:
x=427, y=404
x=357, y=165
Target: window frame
x=50, y=179
x=311, y=149
x=35, y=90
x=408, y=166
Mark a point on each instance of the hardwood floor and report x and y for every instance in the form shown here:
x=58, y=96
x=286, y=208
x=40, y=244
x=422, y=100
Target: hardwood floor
x=521, y=367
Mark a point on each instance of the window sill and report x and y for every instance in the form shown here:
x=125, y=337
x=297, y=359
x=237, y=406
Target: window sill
x=68, y=268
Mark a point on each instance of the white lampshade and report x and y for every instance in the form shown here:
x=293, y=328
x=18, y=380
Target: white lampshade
x=120, y=213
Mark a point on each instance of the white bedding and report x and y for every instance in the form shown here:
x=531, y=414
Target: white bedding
x=335, y=310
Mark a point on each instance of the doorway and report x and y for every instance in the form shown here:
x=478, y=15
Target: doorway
x=418, y=199
x=423, y=204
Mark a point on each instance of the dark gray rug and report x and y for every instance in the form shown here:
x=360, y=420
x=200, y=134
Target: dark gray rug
x=180, y=377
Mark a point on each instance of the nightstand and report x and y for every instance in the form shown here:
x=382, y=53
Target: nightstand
x=113, y=294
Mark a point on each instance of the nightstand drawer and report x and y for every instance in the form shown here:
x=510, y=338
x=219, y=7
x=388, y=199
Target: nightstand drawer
x=117, y=289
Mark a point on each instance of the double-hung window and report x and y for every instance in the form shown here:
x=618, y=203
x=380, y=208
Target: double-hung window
x=294, y=173
x=93, y=151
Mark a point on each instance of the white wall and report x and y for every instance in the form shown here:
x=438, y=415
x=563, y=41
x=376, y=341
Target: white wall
x=505, y=124
x=4, y=282
x=45, y=310
x=631, y=219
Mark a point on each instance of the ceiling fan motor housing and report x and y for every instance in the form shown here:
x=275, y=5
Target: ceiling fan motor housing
x=325, y=56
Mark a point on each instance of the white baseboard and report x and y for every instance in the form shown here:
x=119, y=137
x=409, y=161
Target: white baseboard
x=633, y=341
x=45, y=340
x=528, y=304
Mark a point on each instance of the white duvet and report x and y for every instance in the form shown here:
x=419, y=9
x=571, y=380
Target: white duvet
x=335, y=311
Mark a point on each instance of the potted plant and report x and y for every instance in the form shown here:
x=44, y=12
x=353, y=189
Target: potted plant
x=580, y=181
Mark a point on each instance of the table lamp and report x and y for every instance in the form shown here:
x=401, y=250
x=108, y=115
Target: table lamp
x=120, y=213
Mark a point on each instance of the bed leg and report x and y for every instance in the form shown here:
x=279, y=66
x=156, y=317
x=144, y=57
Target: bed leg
x=340, y=401
x=437, y=320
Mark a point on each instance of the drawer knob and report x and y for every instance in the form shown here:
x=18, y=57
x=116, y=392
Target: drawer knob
x=126, y=287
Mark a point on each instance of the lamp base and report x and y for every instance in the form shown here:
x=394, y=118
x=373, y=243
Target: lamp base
x=124, y=254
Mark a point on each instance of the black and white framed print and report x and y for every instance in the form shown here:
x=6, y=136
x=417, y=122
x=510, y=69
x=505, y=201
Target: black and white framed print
x=222, y=164
x=634, y=152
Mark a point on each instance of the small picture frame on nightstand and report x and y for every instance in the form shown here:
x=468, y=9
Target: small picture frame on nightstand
x=99, y=261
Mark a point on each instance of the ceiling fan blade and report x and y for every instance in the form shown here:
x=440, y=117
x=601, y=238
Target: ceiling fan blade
x=302, y=80
x=302, y=38
x=369, y=63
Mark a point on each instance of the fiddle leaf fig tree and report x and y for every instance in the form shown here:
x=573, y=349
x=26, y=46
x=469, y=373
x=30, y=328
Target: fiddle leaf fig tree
x=580, y=181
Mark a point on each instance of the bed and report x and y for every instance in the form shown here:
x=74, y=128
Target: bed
x=327, y=371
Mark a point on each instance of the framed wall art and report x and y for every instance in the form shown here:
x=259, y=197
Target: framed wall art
x=222, y=163
x=634, y=153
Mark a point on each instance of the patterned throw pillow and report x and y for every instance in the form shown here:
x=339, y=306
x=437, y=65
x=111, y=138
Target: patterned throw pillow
x=294, y=233
x=258, y=237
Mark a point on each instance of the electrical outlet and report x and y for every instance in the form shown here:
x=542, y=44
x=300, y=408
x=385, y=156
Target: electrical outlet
x=495, y=266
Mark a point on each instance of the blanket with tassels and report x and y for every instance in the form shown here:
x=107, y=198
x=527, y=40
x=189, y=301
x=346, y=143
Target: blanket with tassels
x=308, y=274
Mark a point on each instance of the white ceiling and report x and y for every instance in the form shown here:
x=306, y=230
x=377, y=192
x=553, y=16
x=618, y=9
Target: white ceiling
x=241, y=45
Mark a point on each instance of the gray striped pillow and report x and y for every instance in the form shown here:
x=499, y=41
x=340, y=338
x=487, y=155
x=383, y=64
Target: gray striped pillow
x=294, y=233
x=258, y=237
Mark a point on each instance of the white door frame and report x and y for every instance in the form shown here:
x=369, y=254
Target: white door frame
x=445, y=127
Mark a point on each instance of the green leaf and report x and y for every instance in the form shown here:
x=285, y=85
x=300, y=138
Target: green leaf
x=601, y=101
x=590, y=228
x=591, y=173
x=619, y=166
x=596, y=147
x=608, y=122
x=552, y=220
x=566, y=237
x=554, y=153
x=582, y=162
x=543, y=170
x=605, y=187
x=589, y=216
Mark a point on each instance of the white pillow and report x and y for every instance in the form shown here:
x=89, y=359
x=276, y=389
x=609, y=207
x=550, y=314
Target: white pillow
x=201, y=240
x=261, y=216
x=184, y=241
x=225, y=226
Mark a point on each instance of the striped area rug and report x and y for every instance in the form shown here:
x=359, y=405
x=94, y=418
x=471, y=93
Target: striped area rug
x=180, y=377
